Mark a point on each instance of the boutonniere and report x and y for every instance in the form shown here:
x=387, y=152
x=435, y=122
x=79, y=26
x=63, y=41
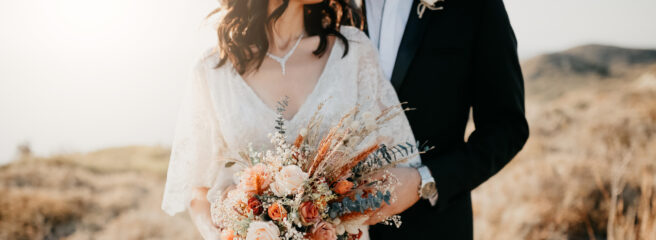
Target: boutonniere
x=428, y=4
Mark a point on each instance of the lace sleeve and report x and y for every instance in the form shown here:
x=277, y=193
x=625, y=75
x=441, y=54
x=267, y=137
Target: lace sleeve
x=375, y=93
x=196, y=146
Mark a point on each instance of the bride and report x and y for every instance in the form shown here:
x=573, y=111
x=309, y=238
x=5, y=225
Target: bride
x=269, y=50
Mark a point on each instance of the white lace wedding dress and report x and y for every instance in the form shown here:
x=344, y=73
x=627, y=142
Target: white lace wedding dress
x=221, y=115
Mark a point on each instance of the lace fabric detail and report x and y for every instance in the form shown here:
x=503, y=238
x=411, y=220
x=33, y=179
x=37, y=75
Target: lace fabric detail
x=219, y=117
x=376, y=93
x=196, y=145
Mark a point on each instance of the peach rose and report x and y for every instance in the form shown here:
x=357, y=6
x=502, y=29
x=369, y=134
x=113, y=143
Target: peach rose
x=290, y=179
x=323, y=231
x=255, y=180
x=227, y=234
x=277, y=212
x=259, y=230
x=343, y=187
x=309, y=213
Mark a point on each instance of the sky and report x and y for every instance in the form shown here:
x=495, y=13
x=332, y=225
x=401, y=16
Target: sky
x=79, y=75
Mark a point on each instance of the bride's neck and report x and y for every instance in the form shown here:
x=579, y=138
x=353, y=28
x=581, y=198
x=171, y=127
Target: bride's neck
x=288, y=27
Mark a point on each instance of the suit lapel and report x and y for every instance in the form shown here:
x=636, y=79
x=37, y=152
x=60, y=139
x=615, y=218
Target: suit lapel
x=412, y=36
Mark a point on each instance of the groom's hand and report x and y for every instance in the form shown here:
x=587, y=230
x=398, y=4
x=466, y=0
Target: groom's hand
x=404, y=195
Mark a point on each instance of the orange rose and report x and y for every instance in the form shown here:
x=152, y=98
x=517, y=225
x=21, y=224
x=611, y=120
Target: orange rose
x=309, y=213
x=255, y=206
x=227, y=234
x=343, y=187
x=277, y=212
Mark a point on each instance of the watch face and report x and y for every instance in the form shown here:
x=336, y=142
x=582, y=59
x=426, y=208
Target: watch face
x=428, y=189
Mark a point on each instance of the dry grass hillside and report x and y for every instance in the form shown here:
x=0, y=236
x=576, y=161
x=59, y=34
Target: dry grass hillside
x=587, y=172
x=109, y=194
x=549, y=76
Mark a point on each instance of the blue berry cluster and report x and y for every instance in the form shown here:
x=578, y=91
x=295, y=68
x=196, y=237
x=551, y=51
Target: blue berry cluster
x=360, y=204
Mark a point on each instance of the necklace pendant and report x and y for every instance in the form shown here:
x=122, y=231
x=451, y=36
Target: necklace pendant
x=283, y=60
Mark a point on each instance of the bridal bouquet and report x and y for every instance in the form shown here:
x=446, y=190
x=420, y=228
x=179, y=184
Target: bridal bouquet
x=318, y=187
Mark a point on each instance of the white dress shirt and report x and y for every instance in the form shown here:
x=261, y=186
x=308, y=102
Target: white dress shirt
x=386, y=21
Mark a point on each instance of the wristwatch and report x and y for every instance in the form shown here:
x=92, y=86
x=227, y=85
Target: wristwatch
x=427, y=189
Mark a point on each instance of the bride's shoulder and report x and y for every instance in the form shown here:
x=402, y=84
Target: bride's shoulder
x=353, y=34
x=358, y=41
x=207, y=66
x=209, y=58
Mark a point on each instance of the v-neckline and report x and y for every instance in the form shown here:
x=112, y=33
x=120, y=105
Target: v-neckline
x=308, y=98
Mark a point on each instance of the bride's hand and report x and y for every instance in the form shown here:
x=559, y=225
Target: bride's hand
x=199, y=210
x=224, y=193
x=404, y=195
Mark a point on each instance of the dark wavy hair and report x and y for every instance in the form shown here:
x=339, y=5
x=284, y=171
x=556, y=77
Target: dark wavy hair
x=246, y=24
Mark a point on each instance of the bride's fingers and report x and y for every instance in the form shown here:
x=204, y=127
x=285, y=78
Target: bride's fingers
x=375, y=219
x=377, y=216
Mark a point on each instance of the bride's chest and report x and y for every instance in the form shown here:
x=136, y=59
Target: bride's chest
x=244, y=118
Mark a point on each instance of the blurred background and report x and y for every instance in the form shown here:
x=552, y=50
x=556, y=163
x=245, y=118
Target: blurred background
x=89, y=93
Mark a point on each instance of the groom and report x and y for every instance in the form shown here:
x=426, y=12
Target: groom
x=460, y=55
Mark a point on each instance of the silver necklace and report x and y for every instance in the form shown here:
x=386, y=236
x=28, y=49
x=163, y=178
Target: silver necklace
x=283, y=60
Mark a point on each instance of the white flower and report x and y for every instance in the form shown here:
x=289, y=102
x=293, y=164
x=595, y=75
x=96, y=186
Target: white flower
x=259, y=230
x=370, y=125
x=369, y=121
x=340, y=229
x=303, y=132
x=352, y=226
x=354, y=141
x=367, y=116
x=290, y=179
x=336, y=221
x=430, y=2
x=348, y=121
x=355, y=124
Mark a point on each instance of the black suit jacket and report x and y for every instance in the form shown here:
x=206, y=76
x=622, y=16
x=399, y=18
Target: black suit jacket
x=463, y=57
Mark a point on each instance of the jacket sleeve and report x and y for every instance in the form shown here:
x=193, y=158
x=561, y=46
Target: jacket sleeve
x=498, y=110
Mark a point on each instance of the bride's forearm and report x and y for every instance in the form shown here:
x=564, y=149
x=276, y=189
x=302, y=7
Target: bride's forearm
x=199, y=210
x=405, y=194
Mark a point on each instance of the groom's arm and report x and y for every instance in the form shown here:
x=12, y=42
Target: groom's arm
x=498, y=110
